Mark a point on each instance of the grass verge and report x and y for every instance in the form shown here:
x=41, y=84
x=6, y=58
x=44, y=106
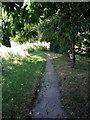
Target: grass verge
x=73, y=83
x=20, y=77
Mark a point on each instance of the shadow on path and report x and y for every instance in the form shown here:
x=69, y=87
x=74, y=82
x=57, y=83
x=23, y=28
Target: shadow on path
x=48, y=102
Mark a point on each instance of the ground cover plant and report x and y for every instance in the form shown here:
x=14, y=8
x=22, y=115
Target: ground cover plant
x=21, y=74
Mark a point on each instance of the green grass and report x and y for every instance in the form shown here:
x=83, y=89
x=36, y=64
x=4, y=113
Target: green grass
x=73, y=84
x=20, y=77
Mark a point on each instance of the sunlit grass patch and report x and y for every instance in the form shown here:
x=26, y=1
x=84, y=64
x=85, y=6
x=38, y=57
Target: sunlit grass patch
x=21, y=74
x=73, y=85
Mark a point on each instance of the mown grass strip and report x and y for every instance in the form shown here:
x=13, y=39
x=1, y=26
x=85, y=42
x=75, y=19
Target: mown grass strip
x=21, y=75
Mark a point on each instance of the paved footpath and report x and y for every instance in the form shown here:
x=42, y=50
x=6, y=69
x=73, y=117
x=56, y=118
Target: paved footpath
x=48, y=102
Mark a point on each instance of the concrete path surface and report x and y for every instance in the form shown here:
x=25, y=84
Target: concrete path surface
x=48, y=102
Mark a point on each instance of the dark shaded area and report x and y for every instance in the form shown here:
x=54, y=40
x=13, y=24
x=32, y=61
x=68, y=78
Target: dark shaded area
x=6, y=41
x=73, y=85
x=55, y=47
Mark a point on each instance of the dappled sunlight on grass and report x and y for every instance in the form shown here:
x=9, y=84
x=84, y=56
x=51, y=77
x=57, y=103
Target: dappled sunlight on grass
x=36, y=58
x=21, y=73
x=55, y=55
x=16, y=49
x=17, y=53
x=19, y=50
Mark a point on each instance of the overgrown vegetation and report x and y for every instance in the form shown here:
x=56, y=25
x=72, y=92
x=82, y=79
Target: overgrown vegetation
x=73, y=84
x=21, y=74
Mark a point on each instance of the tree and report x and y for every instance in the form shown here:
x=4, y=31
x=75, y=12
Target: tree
x=68, y=25
x=64, y=25
x=22, y=16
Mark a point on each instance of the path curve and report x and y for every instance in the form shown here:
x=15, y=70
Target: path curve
x=48, y=102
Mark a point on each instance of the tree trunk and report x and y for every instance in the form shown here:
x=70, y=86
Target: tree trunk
x=73, y=54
